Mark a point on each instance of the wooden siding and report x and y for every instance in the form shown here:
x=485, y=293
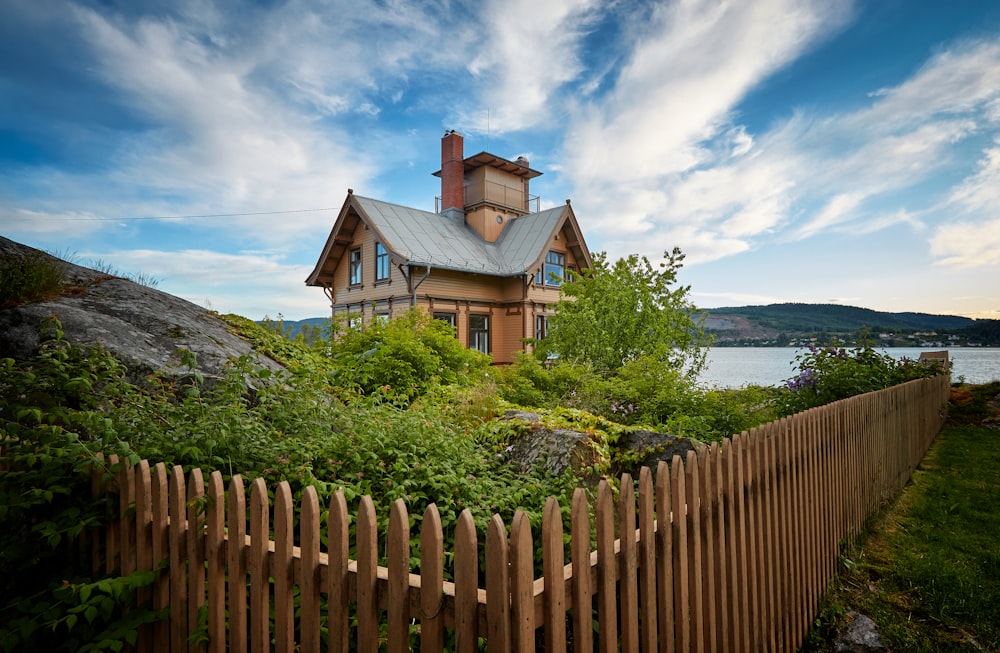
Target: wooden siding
x=729, y=549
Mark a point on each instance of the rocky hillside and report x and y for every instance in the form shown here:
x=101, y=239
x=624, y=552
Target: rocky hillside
x=148, y=330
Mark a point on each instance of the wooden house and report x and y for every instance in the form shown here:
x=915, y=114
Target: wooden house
x=489, y=262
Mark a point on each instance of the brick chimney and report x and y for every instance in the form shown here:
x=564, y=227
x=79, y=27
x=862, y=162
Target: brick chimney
x=452, y=174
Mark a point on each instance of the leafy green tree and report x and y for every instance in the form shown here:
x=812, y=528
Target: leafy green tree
x=615, y=313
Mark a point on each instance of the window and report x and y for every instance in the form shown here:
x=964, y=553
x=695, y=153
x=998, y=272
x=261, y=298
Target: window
x=541, y=326
x=355, y=266
x=381, y=318
x=354, y=323
x=553, y=273
x=446, y=317
x=381, y=263
x=479, y=333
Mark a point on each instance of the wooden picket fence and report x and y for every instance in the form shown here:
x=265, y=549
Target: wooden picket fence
x=728, y=550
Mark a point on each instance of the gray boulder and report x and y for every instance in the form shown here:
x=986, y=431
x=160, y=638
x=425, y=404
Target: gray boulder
x=557, y=450
x=860, y=636
x=144, y=328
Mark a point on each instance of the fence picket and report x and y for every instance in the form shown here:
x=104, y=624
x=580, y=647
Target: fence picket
x=398, y=556
x=553, y=558
x=709, y=560
x=143, y=544
x=682, y=590
x=178, y=564
x=607, y=587
x=664, y=560
x=498, y=617
x=337, y=583
x=195, y=555
x=161, y=553
x=309, y=542
x=467, y=582
x=431, y=579
x=647, y=561
x=628, y=594
x=281, y=569
x=583, y=630
x=367, y=602
x=260, y=585
x=522, y=606
x=215, y=552
x=237, y=558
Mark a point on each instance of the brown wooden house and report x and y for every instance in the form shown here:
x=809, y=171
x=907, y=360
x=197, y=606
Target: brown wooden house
x=487, y=263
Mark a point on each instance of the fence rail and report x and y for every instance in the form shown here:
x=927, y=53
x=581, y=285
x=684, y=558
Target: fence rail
x=728, y=550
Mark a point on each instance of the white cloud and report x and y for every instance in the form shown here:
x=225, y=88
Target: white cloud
x=528, y=51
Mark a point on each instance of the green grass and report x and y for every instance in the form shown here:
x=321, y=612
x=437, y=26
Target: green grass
x=929, y=574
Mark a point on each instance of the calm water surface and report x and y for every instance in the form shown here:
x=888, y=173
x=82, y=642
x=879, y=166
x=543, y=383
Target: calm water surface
x=733, y=367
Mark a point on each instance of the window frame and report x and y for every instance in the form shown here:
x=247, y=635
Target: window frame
x=355, y=269
x=553, y=259
x=478, y=335
x=446, y=316
x=541, y=326
x=381, y=263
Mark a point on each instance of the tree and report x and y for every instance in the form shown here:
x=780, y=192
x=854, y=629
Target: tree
x=610, y=315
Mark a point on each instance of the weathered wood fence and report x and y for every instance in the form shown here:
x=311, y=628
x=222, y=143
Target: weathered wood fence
x=729, y=550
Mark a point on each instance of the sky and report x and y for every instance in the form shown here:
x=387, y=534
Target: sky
x=818, y=151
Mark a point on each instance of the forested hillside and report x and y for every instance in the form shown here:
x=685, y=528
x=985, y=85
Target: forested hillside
x=781, y=324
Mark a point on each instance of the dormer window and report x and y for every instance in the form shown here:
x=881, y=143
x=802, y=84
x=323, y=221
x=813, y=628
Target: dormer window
x=553, y=273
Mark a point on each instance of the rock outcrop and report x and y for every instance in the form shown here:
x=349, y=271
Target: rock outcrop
x=560, y=449
x=142, y=327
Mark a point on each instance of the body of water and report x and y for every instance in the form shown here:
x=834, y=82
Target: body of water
x=733, y=367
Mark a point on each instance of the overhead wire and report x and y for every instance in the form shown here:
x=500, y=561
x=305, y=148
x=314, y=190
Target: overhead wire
x=186, y=217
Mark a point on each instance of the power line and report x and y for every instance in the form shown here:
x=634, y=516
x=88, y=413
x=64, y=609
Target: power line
x=186, y=217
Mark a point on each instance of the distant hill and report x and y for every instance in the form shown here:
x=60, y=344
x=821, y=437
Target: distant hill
x=293, y=328
x=784, y=322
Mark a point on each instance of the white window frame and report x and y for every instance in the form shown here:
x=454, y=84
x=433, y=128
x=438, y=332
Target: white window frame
x=355, y=269
x=479, y=338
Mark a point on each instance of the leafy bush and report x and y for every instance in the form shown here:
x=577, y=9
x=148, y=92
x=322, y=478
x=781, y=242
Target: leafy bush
x=829, y=373
x=32, y=277
x=403, y=358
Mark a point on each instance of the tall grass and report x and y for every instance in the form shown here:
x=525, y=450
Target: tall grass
x=30, y=277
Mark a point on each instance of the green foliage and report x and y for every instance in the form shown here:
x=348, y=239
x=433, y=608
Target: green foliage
x=645, y=391
x=405, y=357
x=53, y=421
x=29, y=278
x=616, y=313
x=829, y=373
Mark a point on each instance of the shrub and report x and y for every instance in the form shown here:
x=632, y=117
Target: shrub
x=830, y=373
x=405, y=357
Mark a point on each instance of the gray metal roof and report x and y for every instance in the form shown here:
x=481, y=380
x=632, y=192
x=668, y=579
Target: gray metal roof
x=441, y=241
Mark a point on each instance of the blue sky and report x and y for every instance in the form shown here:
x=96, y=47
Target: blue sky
x=796, y=150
